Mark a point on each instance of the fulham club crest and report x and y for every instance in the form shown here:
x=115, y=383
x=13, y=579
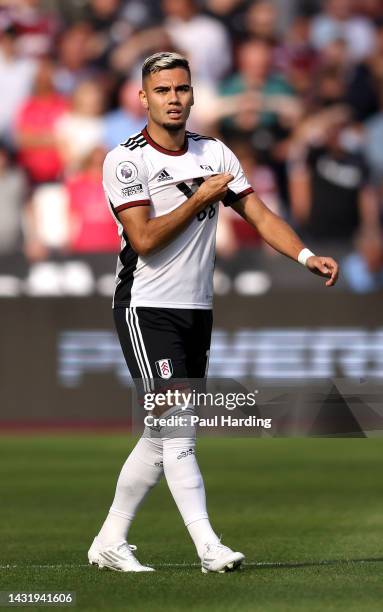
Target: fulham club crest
x=164, y=368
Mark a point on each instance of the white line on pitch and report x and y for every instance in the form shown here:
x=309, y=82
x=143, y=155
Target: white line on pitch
x=271, y=564
x=74, y=565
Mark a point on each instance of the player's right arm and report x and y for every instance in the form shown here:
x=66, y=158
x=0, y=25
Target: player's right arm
x=130, y=200
x=146, y=234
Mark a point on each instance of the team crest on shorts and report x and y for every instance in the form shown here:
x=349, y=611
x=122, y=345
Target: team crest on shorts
x=164, y=368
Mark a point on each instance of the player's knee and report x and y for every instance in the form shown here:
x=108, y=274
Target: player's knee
x=136, y=482
x=177, y=424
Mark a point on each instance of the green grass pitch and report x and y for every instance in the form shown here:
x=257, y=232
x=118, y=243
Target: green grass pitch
x=306, y=512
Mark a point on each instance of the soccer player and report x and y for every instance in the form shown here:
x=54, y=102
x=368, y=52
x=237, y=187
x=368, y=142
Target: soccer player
x=164, y=186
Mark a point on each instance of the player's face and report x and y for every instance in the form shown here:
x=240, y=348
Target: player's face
x=168, y=96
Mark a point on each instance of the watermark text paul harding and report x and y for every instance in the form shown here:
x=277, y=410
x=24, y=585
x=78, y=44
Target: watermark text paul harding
x=183, y=400
x=215, y=421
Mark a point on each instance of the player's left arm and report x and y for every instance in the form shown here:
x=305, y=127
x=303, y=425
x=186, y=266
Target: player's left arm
x=369, y=213
x=278, y=234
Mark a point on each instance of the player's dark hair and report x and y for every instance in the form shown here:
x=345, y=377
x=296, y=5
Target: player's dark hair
x=164, y=61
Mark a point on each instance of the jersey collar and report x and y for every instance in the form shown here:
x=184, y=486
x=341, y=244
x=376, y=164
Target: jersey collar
x=158, y=147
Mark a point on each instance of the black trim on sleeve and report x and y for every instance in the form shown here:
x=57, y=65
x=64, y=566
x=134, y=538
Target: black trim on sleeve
x=231, y=197
x=132, y=205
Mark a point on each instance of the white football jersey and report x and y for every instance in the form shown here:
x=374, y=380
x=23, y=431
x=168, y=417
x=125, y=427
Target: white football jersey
x=140, y=172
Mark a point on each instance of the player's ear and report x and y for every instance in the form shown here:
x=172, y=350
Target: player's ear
x=144, y=99
x=192, y=97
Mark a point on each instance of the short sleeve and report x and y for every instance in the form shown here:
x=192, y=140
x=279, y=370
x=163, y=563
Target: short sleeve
x=125, y=181
x=239, y=186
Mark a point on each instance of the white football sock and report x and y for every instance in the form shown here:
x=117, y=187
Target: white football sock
x=186, y=485
x=201, y=532
x=140, y=472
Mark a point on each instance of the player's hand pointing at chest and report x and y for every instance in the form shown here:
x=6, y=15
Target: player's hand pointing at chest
x=214, y=188
x=146, y=234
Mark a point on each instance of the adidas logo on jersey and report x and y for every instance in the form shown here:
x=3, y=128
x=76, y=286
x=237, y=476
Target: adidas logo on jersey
x=164, y=176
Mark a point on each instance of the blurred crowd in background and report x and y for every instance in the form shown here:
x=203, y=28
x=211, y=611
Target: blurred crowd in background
x=295, y=88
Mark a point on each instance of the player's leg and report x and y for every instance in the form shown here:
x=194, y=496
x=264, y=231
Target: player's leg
x=142, y=469
x=185, y=482
x=140, y=472
x=214, y=555
x=180, y=465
